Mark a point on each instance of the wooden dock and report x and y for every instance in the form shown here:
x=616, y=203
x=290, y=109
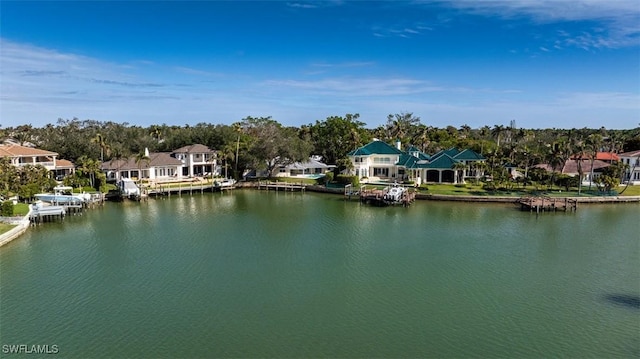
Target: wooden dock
x=179, y=189
x=547, y=204
x=281, y=186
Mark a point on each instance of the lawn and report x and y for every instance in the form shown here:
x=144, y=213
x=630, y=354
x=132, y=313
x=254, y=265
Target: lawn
x=6, y=227
x=20, y=209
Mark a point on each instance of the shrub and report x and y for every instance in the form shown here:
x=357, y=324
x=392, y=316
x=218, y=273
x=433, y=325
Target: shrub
x=345, y=179
x=328, y=177
x=7, y=209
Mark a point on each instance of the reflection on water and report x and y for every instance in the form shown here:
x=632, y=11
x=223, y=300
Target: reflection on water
x=255, y=274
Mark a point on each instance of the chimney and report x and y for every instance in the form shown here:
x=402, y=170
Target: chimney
x=399, y=145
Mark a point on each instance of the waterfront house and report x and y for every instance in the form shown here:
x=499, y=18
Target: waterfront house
x=157, y=166
x=197, y=160
x=632, y=160
x=570, y=168
x=21, y=156
x=383, y=161
x=313, y=167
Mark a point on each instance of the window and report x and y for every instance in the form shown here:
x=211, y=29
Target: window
x=381, y=172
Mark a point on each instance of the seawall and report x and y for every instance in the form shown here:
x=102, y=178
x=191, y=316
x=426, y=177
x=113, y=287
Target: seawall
x=22, y=223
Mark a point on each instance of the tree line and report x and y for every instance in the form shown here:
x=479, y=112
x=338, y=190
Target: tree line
x=262, y=143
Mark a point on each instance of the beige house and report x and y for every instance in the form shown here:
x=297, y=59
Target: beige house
x=21, y=156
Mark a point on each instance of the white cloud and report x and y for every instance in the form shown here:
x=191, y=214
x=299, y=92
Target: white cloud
x=620, y=19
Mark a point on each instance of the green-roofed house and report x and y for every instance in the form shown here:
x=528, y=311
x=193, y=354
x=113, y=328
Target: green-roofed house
x=379, y=159
x=376, y=159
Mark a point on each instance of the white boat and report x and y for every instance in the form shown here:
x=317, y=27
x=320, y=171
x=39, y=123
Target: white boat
x=225, y=183
x=394, y=194
x=61, y=195
x=128, y=188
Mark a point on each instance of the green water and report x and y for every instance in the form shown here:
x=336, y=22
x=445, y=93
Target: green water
x=256, y=274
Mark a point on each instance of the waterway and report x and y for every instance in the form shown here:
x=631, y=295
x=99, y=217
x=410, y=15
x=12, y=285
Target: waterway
x=257, y=274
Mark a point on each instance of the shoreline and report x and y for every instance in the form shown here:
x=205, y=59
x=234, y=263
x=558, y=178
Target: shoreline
x=486, y=199
x=22, y=224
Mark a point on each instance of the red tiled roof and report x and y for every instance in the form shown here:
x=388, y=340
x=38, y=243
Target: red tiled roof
x=607, y=156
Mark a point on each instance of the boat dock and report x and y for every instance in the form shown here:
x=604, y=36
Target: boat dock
x=281, y=186
x=170, y=188
x=547, y=204
x=379, y=197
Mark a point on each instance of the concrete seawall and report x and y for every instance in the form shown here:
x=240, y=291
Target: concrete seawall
x=21, y=226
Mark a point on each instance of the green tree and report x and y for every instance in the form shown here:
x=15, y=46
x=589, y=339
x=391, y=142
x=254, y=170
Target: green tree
x=336, y=136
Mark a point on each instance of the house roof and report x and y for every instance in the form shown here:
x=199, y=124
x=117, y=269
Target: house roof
x=22, y=151
x=630, y=154
x=451, y=152
x=607, y=156
x=197, y=148
x=602, y=156
x=570, y=166
x=443, y=161
x=156, y=159
x=311, y=163
x=377, y=148
x=60, y=164
x=468, y=155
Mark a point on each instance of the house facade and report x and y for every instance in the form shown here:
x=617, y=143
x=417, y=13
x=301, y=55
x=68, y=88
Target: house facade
x=632, y=160
x=390, y=163
x=22, y=156
x=189, y=161
x=197, y=160
x=158, y=166
x=312, y=167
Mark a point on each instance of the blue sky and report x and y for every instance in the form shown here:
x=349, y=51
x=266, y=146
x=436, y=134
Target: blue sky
x=543, y=63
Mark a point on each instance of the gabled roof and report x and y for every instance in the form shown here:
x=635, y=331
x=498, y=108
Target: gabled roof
x=451, y=152
x=443, y=161
x=22, y=151
x=570, y=166
x=635, y=153
x=468, y=155
x=156, y=159
x=197, y=148
x=311, y=163
x=375, y=148
x=406, y=160
x=62, y=164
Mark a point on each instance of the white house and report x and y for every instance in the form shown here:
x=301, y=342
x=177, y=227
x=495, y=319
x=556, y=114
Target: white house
x=632, y=159
x=389, y=163
x=197, y=160
x=312, y=167
x=158, y=166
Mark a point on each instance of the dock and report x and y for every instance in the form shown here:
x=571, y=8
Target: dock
x=378, y=197
x=547, y=204
x=281, y=186
x=172, y=188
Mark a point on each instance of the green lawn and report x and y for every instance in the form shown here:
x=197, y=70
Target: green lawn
x=20, y=209
x=6, y=227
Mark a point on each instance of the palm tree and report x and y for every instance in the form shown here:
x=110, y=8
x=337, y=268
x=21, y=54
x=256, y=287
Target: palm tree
x=140, y=158
x=239, y=130
x=594, y=141
x=460, y=168
x=557, y=158
x=497, y=132
x=100, y=141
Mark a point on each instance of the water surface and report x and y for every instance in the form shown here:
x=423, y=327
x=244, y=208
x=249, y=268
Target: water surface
x=256, y=274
